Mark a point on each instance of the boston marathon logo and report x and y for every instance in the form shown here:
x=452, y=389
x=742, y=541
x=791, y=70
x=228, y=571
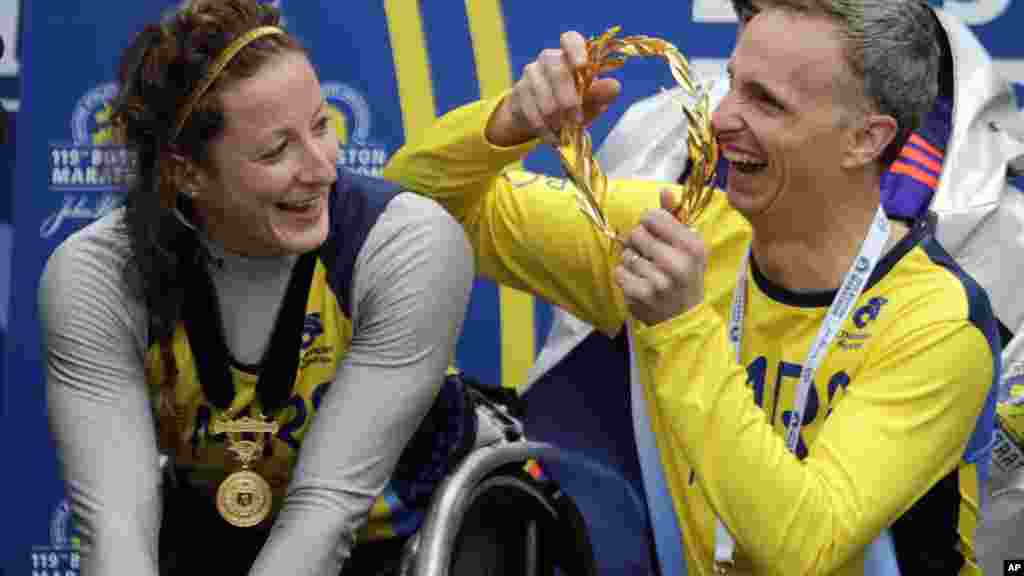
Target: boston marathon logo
x=351, y=119
x=91, y=172
x=91, y=162
x=61, y=557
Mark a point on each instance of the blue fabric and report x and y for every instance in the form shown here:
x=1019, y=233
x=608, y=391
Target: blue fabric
x=589, y=389
x=904, y=196
x=355, y=203
x=880, y=557
x=668, y=535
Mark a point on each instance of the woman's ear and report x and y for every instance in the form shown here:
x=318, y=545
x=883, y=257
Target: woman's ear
x=189, y=178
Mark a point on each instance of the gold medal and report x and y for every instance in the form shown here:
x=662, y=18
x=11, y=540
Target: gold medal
x=244, y=498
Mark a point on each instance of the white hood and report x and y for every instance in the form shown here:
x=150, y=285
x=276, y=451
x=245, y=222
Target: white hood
x=980, y=215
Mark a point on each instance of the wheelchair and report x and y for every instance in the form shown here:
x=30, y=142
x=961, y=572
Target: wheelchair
x=531, y=526
x=544, y=532
x=585, y=516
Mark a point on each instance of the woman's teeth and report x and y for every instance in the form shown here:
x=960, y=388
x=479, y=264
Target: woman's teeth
x=298, y=206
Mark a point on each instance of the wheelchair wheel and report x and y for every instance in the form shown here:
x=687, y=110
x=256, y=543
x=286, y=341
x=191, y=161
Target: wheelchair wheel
x=515, y=526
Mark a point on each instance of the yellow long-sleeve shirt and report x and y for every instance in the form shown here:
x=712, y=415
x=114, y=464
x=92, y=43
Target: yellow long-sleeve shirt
x=897, y=419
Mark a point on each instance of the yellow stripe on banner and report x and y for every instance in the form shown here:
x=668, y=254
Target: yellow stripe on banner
x=412, y=65
x=412, y=71
x=490, y=47
x=490, y=50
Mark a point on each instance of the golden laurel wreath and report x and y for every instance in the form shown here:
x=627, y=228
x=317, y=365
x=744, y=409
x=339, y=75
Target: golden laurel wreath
x=575, y=149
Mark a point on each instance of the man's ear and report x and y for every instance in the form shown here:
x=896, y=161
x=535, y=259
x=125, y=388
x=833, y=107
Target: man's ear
x=869, y=139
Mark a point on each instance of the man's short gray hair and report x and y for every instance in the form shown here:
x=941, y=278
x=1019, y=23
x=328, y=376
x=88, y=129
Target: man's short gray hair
x=892, y=49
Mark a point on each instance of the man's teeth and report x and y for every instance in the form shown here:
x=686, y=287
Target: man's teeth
x=745, y=163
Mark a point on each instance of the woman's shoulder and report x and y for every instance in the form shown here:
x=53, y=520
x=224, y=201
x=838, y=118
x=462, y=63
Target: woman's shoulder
x=102, y=245
x=91, y=264
x=412, y=224
x=414, y=233
x=370, y=209
x=415, y=252
x=417, y=210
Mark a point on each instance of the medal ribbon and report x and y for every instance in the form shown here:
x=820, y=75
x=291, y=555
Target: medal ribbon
x=278, y=367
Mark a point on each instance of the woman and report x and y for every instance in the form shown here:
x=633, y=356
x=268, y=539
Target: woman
x=247, y=278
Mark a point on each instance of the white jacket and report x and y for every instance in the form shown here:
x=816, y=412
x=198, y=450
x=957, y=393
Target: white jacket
x=980, y=222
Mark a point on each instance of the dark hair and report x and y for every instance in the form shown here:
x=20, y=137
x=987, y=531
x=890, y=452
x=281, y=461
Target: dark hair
x=158, y=73
x=744, y=10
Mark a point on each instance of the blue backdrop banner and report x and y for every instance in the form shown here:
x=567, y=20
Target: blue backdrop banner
x=388, y=68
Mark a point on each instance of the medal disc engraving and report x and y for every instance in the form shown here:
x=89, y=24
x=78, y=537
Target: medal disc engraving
x=244, y=499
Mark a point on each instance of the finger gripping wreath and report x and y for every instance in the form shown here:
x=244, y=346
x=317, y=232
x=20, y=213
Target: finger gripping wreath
x=575, y=149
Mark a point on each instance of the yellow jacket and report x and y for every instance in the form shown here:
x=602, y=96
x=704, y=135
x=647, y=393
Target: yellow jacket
x=901, y=405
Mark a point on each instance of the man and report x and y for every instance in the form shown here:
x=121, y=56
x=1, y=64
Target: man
x=821, y=101
x=649, y=142
x=960, y=180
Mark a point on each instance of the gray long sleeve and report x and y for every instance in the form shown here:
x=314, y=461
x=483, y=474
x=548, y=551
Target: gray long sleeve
x=94, y=335
x=410, y=290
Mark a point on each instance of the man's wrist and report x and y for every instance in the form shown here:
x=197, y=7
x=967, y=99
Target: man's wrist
x=503, y=129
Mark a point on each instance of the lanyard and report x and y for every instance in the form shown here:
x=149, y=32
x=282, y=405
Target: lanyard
x=853, y=285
